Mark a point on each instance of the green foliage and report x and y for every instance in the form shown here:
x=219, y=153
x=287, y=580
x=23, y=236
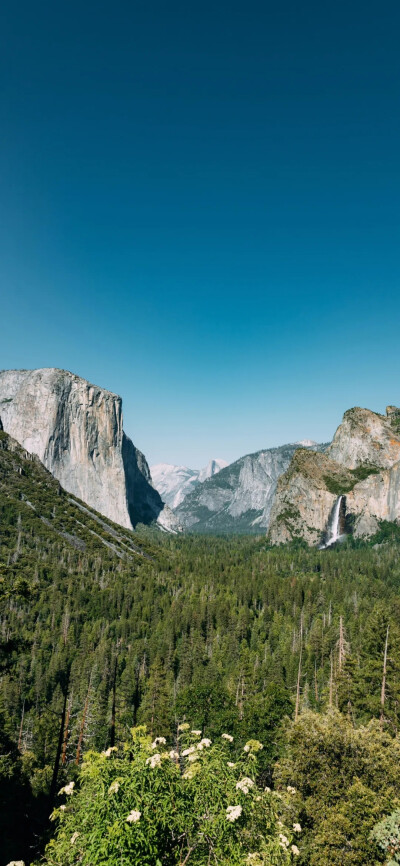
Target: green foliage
x=338, y=485
x=103, y=629
x=346, y=778
x=387, y=532
x=386, y=835
x=152, y=805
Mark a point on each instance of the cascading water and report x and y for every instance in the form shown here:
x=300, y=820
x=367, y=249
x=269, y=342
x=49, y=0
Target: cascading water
x=334, y=533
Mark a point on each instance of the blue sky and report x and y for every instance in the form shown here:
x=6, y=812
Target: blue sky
x=199, y=209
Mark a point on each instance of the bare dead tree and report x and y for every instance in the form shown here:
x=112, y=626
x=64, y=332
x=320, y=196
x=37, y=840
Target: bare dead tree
x=21, y=727
x=297, y=707
x=316, y=682
x=331, y=683
x=83, y=723
x=383, y=689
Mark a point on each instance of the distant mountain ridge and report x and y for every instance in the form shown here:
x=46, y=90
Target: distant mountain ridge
x=174, y=483
x=240, y=497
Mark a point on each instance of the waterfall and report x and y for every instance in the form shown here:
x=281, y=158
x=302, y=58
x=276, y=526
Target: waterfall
x=334, y=525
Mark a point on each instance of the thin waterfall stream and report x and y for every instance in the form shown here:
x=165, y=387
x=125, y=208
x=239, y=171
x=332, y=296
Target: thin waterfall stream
x=334, y=533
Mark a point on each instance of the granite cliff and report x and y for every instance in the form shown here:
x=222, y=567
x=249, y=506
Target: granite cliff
x=361, y=467
x=239, y=498
x=174, y=483
x=75, y=428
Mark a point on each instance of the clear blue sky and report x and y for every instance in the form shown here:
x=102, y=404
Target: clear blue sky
x=200, y=210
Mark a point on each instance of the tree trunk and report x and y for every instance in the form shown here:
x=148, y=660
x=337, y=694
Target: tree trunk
x=114, y=692
x=82, y=729
x=297, y=708
x=21, y=727
x=383, y=689
x=53, y=786
x=66, y=733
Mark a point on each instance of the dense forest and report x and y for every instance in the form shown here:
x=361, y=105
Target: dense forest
x=105, y=630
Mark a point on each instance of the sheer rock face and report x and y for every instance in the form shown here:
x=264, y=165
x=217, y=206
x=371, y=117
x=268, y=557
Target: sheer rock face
x=75, y=428
x=365, y=437
x=174, y=483
x=239, y=498
x=376, y=498
x=362, y=464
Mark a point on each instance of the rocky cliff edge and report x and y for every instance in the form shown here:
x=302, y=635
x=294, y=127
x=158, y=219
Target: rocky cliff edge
x=362, y=465
x=75, y=428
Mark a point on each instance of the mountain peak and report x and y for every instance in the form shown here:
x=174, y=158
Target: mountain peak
x=174, y=483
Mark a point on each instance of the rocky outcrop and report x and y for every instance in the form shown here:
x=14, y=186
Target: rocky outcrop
x=174, y=483
x=303, y=502
x=240, y=497
x=75, y=428
x=362, y=465
x=364, y=437
x=376, y=498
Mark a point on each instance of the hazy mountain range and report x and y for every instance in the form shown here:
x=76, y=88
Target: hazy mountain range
x=239, y=498
x=301, y=490
x=174, y=483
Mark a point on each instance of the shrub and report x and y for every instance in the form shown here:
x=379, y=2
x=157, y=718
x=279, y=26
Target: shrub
x=152, y=805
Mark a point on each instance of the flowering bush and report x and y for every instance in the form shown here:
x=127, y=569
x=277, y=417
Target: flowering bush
x=386, y=835
x=189, y=806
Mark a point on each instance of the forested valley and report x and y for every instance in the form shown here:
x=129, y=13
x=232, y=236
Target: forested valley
x=119, y=649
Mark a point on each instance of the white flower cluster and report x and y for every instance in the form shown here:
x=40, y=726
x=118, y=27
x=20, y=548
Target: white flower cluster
x=283, y=840
x=196, y=733
x=109, y=751
x=183, y=727
x=297, y=828
x=67, y=789
x=294, y=849
x=191, y=772
x=231, y=765
x=188, y=751
x=227, y=737
x=159, y=741
x=253, y=746
x=233, y=813
x=174, y=755
x=114, y=787
x=244, y=785
x=133, y=816
x=16, y=863
x=204, y=743
x=290, y=789
x=74, y=837
x=154, y=761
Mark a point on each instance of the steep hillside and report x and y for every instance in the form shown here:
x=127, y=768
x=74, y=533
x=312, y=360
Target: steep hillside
x=75, y=428
x=42, y=508
x=361, y=467
x=239, y=498
x=103, y=629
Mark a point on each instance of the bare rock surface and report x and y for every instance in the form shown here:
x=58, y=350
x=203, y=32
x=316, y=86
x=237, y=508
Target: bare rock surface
x=365, y=437
x=362, y=465
x=174, y=483
x=240, y=497
x=75, y=428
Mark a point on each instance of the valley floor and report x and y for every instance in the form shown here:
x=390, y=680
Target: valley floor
x=285, y=646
